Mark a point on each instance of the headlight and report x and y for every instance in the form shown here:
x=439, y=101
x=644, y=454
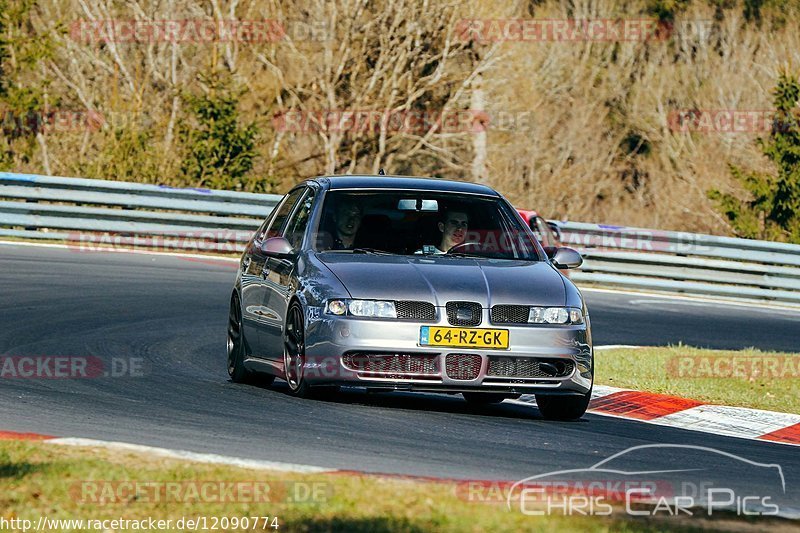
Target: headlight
x=364, y=308
x=336, y=307
x=555, y=315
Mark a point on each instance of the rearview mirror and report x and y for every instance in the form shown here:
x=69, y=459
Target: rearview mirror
x=277, y=247
x=418, y=204
x=564, y=257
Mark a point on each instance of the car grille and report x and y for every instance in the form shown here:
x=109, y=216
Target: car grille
x=528, y=367
x=411, y=310
x=462, y=366
x=395, y=365
x=510, y=314
x=473, y=309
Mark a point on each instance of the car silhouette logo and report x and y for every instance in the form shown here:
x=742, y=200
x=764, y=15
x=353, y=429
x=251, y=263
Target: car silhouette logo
x=625, y=466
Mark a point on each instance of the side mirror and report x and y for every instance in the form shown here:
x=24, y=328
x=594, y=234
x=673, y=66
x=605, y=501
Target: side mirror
x=277, y=247
x=565, y=257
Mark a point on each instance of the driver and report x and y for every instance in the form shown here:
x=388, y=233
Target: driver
x=348, y=219
x=453, y=226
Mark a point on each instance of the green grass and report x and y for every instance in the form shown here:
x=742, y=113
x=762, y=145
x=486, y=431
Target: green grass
x=45, y=479
x=746, y=378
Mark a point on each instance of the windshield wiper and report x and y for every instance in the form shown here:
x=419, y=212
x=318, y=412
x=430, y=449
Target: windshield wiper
x=464, y=254
x=370, y=251
x=374, y=251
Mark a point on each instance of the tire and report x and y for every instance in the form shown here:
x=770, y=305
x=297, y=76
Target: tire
x=486, y=398
x=294, y=355
x=563, y=407
x=237, y=346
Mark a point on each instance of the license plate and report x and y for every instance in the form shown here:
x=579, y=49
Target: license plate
x=463, y=337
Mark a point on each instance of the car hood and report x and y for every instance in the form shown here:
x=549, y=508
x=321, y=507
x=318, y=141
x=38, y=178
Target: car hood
x=442, y=279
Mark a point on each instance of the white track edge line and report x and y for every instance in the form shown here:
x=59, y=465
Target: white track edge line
x=208, y=458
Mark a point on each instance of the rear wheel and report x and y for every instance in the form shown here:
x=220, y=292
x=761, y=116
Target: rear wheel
x=563, y=407
x=237, y=346
x=487, y=398
x=236, y=370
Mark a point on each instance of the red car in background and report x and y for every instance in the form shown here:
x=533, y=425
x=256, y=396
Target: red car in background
x=548, y=233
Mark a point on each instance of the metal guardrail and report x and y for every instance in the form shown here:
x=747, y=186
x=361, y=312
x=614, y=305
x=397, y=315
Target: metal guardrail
x=93, y=213
x=97, y=213
x=692, y=263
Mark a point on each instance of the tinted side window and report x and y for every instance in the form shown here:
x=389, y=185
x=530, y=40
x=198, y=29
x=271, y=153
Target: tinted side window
x=296, y=227
x=280, y=217
x=262, y=229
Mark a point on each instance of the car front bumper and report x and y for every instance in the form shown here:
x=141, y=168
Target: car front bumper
x=330, y=340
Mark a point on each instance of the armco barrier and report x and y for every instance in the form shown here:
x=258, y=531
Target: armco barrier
x=684, y=262
x=99, y=213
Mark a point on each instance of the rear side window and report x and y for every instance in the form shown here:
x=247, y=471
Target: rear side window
x=284, y=210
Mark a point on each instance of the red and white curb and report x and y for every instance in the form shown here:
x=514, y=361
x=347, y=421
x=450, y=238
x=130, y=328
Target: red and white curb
x=665, y=410
x=650, y=408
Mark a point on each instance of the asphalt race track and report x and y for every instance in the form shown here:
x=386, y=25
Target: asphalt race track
x=171, y=313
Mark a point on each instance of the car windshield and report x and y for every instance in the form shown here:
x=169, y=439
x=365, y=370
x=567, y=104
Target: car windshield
x=422, y=223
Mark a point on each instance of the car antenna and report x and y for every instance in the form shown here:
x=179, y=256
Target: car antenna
x=381, y=172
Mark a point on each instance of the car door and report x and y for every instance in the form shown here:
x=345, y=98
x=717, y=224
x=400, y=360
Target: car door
x=256, y=315
x=281, y=273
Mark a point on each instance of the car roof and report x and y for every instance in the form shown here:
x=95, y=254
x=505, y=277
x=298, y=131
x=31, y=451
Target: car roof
x=402, y=182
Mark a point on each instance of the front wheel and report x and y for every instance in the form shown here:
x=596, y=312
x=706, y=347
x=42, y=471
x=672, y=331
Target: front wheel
x=563, y=407
x=294, y=352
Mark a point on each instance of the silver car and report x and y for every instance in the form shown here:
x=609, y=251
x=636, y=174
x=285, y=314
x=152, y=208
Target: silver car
x=414, y=284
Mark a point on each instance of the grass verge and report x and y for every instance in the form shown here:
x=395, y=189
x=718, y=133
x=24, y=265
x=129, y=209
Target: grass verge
x=745, y=378
x=39, y=479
